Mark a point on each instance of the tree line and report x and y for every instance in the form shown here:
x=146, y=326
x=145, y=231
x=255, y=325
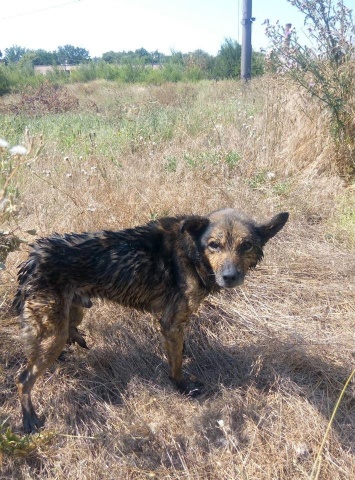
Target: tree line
x=226, y=64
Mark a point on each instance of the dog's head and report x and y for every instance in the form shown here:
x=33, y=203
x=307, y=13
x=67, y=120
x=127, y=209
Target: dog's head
x=231, y=243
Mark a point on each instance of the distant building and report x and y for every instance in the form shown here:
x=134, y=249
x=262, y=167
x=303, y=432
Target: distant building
x=44, y=69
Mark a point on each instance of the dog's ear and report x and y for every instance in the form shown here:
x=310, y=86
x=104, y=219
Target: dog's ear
x=194, y=225
x=271, y=228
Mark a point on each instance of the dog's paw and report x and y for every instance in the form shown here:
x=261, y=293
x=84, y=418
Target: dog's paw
x=32, y=423
x=62, y=356
x=77, y=336
x=190, y=388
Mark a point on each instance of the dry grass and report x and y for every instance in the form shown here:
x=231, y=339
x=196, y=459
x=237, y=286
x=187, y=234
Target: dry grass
x=273, y=354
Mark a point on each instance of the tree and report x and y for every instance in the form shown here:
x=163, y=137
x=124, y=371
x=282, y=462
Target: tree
x=257, y=64
x=4, y=81
x=156, y=57
x=227, y=62
x=72, y=55
x=176, y=57
x=111, y=57
x=42, y=57
x=143, y=55
x=26, y=63
x=199, y=59
x=14, y=53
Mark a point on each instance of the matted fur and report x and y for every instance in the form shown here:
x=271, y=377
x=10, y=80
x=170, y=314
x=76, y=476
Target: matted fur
x=167, y=267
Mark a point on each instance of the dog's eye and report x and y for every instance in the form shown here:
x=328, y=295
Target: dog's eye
x=214, y=245
x=247, y=246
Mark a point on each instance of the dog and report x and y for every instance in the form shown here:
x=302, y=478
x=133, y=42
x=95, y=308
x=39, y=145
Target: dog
x=166, y=267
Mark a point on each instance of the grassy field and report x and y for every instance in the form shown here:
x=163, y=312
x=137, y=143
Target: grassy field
x=274, y=354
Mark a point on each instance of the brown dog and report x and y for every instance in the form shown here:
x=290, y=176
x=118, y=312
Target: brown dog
x=167, y=266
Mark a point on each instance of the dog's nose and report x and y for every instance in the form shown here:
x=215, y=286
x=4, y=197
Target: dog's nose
x=232, y=277
x=229, y=278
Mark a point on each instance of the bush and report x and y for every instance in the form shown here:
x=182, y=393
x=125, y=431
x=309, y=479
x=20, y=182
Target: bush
x=325, y=70
x=4, y=81
x=47, y=98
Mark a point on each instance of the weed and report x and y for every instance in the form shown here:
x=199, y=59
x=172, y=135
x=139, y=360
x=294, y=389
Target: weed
x=13, y=444
x=232, y=158
x=10, y=163
x=171, y=163
x=282, y=188
x=21, y=446
x=258, y=180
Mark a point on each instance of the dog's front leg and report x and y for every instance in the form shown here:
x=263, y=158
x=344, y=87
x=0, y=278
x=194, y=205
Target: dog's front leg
x=172, y=328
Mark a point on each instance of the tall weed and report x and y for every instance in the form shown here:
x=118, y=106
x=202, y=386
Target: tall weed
x=324, y=68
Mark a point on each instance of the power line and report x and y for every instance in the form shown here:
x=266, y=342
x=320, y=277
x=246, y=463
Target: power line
x=32, y=12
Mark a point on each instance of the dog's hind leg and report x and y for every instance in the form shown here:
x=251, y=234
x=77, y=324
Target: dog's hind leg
x=46, y=331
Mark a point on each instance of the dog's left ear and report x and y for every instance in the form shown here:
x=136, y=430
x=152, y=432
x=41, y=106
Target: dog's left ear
x=194, y=224
x=270, y=229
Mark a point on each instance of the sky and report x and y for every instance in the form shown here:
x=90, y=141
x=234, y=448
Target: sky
x=164, y=25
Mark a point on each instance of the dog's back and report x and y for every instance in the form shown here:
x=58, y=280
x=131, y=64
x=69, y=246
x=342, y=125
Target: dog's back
x=135, y=267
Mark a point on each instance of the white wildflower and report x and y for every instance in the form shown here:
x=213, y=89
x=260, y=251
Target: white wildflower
x=18, y=150
x=4, y=144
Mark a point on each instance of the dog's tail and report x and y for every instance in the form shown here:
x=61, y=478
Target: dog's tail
x=25, y=272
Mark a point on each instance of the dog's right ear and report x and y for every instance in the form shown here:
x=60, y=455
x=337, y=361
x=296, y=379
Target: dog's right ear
x=194, y=224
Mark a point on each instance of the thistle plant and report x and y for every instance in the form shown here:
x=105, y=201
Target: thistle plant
x=324, y=67
x=10, y=162
x=11, y=159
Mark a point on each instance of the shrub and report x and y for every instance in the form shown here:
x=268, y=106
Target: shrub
x=326, y=69
x=4, y=81
x=47, y=98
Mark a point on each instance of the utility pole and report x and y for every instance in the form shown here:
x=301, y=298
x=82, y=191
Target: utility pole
x=247, y=20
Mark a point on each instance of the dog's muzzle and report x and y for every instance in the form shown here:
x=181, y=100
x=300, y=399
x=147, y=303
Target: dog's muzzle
x=230, y=276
